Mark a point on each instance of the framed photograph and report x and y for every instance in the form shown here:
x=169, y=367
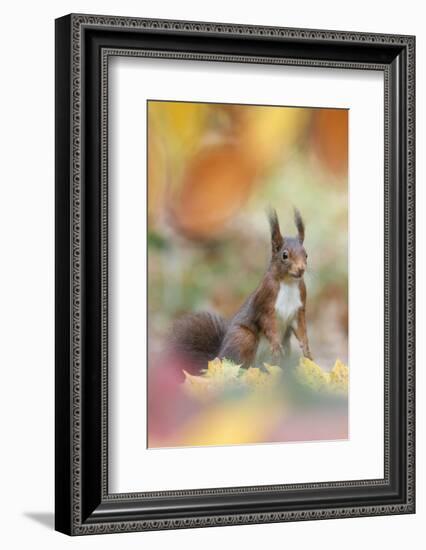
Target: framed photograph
x=234, y=274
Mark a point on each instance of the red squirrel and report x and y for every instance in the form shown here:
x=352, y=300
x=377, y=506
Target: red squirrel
x=272, y=313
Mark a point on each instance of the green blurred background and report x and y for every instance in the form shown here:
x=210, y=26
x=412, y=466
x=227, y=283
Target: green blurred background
x=213, y=169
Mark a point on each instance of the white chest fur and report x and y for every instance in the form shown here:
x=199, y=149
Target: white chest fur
x=286, y=305
x=288, y=302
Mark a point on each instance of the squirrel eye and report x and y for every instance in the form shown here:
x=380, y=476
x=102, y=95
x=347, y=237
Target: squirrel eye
x=285, y=255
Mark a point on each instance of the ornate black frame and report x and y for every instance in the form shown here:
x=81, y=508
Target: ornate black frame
x=83, y=46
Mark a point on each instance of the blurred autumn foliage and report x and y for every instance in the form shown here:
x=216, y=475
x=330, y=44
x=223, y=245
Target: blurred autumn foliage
x=207, y=158
x=213, y=170
x=229, y=405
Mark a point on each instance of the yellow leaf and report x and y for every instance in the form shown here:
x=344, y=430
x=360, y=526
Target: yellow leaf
x=223, y=370
x=256, y=379
x=312, y=375
x=339, y=377
x=225, y=376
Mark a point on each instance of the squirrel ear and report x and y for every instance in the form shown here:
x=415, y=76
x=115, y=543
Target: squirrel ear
x=276, y=237
x=300, y=225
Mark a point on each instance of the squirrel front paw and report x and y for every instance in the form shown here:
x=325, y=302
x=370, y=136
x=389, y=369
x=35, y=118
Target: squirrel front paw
x=277, y=351
x=304, y=346
x=307, y=353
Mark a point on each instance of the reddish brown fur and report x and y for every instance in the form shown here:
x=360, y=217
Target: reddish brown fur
x=300, y=330
x=257, y=315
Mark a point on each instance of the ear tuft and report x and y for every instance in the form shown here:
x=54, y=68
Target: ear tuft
x=276, y=237
x=300, y=225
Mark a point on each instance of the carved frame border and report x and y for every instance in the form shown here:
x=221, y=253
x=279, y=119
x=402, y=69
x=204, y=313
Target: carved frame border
x=78, y=23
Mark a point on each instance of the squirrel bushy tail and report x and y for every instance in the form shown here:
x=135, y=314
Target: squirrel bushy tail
x=198, y=337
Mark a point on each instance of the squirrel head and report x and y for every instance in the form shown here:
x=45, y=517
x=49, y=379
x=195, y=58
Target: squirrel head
x=289, y=258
